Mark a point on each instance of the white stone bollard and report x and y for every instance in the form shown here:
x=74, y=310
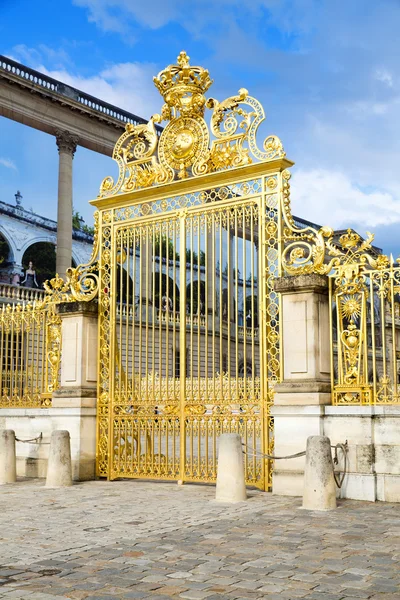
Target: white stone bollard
x=59, y=469
x=319, y=483
x=231, y=485
x=8, y=469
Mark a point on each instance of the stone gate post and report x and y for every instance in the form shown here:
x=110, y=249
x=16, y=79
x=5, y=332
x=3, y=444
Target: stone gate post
x=74, y=403
x=298, y=404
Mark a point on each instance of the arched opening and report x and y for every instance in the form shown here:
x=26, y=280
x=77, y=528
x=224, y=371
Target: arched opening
x=42, y=255
x=124, y=287
x=164, y=293
x=5, y=259
x=251, y=311
x=196, y=298
x=245, y=368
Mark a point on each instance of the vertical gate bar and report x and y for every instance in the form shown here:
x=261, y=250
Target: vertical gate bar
x=160, y=312
x=120, y=311
x=207, y=250
x=44, y=370
x=244, y=301
x=147, y=227
x=253, y=272
x=182, y=345
x=253, y=322
x=168, y=316
x=198, y=300
x=133, y=338
x=199, y=360
x=214, y=305
x=339, y=329
x=113, y=333
x=18, y=352
x=32, y=351
x=229, y=294
x=153, y=310
x=221, y=381
x=2, y=366
x=23, y=350
x=128, y=304
x=394, y=388
x=236, y=283
x=191, y=355
x=127, y=350
x=383, y=330
x=263, y=271
x=373, y=331
x=174, y=313
x=331, y=358
x=206, y=307
x=140, y=375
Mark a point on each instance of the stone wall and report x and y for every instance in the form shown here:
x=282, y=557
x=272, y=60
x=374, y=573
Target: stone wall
x=29, y=423
x=373, y=437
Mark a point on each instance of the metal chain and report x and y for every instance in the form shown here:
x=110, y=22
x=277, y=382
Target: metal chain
x=271, y=457
x=32, y=440
x=342, y=447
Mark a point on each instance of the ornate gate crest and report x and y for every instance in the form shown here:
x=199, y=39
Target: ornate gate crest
x=183, y=150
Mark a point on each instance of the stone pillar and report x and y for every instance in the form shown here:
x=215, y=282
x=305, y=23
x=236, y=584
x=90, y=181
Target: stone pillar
x=74, y=403
x=8, y=472
x=66, y=148
x=59, y=472
x=319, y=483
x=300, y=398
x=231, y=486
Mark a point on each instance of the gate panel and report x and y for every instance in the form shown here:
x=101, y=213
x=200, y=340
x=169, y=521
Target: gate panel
x=185, y=361
x=146, y=400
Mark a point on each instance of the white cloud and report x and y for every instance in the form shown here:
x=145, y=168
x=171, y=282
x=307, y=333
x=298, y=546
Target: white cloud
x=9, y=164
x=384, y=76
x=330, y=198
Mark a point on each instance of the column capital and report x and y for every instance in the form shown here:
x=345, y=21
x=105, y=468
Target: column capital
x=312, y=282
x=66, y=142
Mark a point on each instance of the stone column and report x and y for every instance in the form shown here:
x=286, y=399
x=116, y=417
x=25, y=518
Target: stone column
x=300, y=398
x=210, y=267
x=66, y=147
x=74, y=403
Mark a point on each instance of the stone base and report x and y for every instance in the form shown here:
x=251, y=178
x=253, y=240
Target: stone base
x=30, y=422
x=302, y=392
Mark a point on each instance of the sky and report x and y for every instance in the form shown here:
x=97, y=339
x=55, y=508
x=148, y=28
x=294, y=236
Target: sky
x=327, y=73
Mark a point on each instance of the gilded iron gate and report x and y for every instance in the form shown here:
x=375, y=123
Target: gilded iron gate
x=188, y=246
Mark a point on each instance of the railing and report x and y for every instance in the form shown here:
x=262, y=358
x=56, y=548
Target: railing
x=57, y=87
x=30, y=350
x=169, y=316
x=165, y=390
x=18, y=293
x=365, y=334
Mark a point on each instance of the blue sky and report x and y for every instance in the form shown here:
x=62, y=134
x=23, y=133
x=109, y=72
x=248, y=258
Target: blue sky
x=327, y=73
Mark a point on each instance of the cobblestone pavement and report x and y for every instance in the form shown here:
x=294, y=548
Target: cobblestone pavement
x=134, y=539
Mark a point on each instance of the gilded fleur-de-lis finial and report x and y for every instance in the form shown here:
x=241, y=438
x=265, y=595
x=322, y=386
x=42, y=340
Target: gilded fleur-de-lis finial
x=183, y=59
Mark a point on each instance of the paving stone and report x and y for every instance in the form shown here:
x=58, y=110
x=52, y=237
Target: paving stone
x=123, y=545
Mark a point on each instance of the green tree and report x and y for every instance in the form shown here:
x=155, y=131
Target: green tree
x=165, y=247
x=4, y=250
